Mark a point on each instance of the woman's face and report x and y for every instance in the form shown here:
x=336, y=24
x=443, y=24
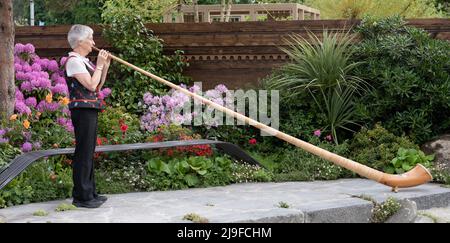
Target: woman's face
x=87, y=43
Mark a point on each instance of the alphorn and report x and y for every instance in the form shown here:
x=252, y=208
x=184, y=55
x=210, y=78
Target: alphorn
x=416, y=176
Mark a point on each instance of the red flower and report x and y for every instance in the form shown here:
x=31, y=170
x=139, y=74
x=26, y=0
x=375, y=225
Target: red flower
x=123, y=127
x=99, y=141
x=252, y=141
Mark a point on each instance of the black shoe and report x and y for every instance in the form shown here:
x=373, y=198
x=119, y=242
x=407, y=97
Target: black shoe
x=100, y=198
x=94, y=203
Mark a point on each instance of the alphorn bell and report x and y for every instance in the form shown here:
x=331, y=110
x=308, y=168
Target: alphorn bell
x=416, y=176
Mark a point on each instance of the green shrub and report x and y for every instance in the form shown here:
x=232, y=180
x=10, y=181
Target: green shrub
x=65, y=207
x=40, y=213
x=406, y=160
x=136, y=44
x=322, y=69
x=410, y=75
x=377, y=147
x=243, y=173
x=193, y=171
x=440, y=176
x=121, y=172
x=7, y=153
x=50, y=180
x=116, y=126
x=382, y=211
x=16, y=192
x=51, y=135
x=299, y=165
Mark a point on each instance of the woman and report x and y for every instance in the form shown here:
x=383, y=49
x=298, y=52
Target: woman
x=84, y=81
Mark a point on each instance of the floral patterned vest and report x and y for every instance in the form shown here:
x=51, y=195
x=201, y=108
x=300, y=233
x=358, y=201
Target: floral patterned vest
x=81, y=97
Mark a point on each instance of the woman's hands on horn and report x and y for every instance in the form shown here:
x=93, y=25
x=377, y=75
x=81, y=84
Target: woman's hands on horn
x=103, y=59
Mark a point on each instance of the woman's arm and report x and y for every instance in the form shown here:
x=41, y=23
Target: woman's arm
x=104, y=73
x=89, y=82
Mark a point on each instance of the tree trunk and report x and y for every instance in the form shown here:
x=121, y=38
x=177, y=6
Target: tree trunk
x=222, y=11
x=196, y=17
x=229, y=3
x=7, y=87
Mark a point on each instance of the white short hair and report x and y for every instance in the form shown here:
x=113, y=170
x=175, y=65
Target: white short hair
x=78, y=33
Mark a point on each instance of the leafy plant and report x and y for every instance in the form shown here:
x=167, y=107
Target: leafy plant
x=137, y=44
x=409, y=73
x=299, y=165
x=149, y=10
x=357, y=9
x=322, y=68
x=7, y=153
x=195, y=218
x=282, y=204
x=15, y=193
x=382, y=211
x=187, y=171
x=40, y=213
x=406, y=160
x=116, y=126
x=377, y=147
x=65, y=207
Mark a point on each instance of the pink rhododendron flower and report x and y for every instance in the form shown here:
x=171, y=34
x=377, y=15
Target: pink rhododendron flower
x=317, y=133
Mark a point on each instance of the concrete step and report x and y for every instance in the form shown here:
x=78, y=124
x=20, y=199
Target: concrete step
x=296, y=202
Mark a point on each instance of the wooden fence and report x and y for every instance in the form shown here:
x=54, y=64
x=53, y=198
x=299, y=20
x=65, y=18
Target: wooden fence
x=236, y=54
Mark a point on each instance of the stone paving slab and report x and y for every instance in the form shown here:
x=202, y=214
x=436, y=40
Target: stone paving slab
x=318, y=201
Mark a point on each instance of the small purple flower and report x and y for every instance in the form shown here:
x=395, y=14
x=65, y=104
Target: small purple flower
x=61, y=121
x=61, y=80
x=21, y=75
x=27, y=136
x=53, y=66
x=29, y=48
x=37, y=145
x=44, y=63
x=22, y=108
x=106, y=92
x=63, y=61
x=17, y=67
x=55, y=76
x=26, y=86
x=317, y=133
x=44, y=83
x=66, y=111
x=4, y=140
x=60, y=89
x=31, y=102
x=36, y=67
x=19, y=95
x=221, y=88
x=26, y=68
x=19, y=48
x=2, y=132
x=27, y=147
x=148, y=98
x=35, y=84
x=45, y=75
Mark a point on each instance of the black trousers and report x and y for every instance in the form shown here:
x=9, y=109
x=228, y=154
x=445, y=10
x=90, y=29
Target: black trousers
x=85, y=126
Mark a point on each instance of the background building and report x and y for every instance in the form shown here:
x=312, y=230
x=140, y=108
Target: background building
x=243, y=12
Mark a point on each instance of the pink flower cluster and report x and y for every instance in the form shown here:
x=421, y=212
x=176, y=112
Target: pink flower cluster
x=165, y=110
x=35, y=78
x=41, y=89
x=2, y=139
x=317, y=133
